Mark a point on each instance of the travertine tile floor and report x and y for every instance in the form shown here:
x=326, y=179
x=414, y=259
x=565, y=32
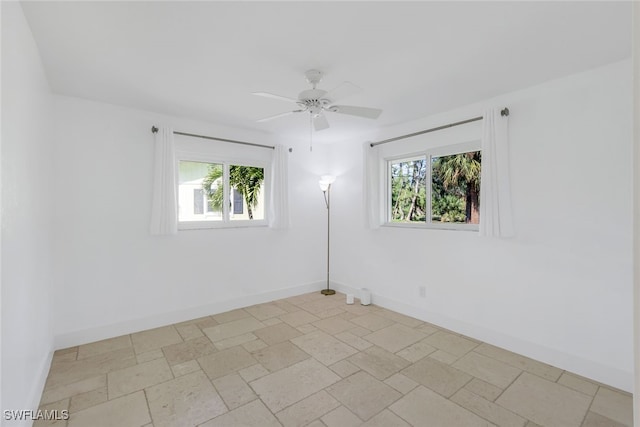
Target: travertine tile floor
x=313, y=360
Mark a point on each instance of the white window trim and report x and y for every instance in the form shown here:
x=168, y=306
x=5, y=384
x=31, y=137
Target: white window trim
x=446, y=150
x=226, y=221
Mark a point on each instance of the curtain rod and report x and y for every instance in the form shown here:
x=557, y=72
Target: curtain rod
x=504, y=112
x=154, y=129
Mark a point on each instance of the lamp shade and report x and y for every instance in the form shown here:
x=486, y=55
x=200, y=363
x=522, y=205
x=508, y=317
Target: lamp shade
x=326, y=181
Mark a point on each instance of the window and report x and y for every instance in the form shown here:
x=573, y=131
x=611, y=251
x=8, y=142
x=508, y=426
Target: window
x=216, y=193
x=437, y=189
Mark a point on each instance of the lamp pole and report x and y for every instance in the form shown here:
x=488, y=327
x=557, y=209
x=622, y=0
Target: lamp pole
x=325, y=186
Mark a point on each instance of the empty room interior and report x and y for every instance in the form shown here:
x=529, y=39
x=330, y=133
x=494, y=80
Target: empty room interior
x=319, y=213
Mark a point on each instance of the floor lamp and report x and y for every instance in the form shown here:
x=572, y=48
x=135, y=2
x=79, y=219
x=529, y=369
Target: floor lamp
x=325, y=186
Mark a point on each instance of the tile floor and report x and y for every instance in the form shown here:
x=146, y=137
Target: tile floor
x=313, y=360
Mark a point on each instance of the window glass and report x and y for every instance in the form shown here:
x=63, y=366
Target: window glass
x=197, y=185
x=247, y=196
x=455, y=188
x=408, y=190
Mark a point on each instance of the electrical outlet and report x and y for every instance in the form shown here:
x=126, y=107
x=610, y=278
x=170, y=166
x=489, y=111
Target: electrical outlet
x=423, y=291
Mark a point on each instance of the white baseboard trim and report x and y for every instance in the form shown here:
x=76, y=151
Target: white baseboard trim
x=85, y=336
x=604, y=374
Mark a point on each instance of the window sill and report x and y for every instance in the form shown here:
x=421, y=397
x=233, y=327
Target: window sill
x=425, y=226
x=207, y=225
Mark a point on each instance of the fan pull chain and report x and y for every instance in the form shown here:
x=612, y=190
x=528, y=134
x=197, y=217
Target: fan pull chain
x=310, y=133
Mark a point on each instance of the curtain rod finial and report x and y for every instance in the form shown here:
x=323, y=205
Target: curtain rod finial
x=154, y=129
x=504, y=112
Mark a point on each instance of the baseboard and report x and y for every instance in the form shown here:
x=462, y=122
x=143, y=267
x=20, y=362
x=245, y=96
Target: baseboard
x=604, y=374
x=85, y=336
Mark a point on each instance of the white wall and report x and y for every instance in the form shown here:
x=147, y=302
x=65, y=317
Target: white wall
x=561, y=290
x=27, y=170
x=112, y=277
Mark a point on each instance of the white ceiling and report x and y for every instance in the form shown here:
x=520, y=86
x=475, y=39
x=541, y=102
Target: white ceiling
x=203, y=59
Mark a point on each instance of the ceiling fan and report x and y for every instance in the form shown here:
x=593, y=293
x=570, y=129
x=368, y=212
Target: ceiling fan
x=318, y=101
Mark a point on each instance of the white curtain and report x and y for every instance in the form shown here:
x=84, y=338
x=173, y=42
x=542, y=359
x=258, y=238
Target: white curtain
x=496, y=218
x=371, y=190
x=279, y=189
x=164, y=207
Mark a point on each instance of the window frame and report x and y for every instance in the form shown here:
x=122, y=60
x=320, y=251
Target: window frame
x=226, y=161
x=428, y=154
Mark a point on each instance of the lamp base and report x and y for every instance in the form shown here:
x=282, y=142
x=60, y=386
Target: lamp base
x=327, y=292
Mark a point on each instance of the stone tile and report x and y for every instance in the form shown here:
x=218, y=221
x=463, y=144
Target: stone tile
x=290, y=385
x=224, y=362
x=307, y=410
x=234, y=391
x=578, y=383
x=322, y=305
x=134, y=378
x=253, y=372
x=333, y=325
x=104, y=346
x=437, y=376
x=614, y=405
x=265, y=311
x=67, y=350
x=540, y=369
x=230, y=316
x=416, y=351
x=378, y=362
x=423, y=404
x=316, y=423
x=487, y=369
x=363, y=394
x=277, y=333
x=68, y=372
x=545, y=402
x=532, y=424
x=272, y=321
x=395, y=337
x=64, y=357
x=55, y=410
x=188, y=350
x=192, y=322
x=185, y=368
x=330, y=312
x=450, y=343
x=401, y=383
x=129, y=410
x=254, y=345
x=149, y=355
x=306, y=329
x=427, y=329
x=185, y=401
x=372, y=322
x=55, y=394
x=341, y=417
x=234, y=341
x=189, y=332
x=400, y=318
x=155, y=338
x=483, y=389
x=344, y=368
x=253, y=414
x=444, y=357
x=286, y=306
x=361, y=310
x=359, y=331
x=85, y=400
x=298, y=318
x=487, y=410
x=386, y=418
x=208, y=322
x=280, y=356
x=232, y=329
x=594, y=420
x=353, y=341
x=324, y=347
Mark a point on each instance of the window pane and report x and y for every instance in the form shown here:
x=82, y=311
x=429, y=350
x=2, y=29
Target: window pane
x=408, y=190
x=199, y=185
x=455, y=188
x=248, y=183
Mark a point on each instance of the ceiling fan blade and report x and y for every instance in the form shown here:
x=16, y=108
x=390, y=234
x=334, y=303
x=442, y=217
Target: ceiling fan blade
x=273, y=96
x=342, y=91
x=266, y=119
x=320, y=122
x=369, y=113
